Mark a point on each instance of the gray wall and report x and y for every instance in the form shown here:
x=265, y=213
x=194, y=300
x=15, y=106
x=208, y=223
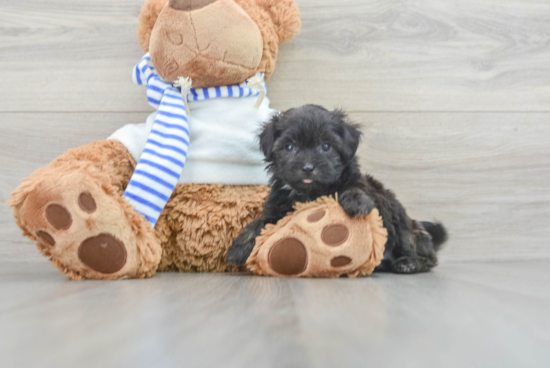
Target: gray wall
x=454, y=98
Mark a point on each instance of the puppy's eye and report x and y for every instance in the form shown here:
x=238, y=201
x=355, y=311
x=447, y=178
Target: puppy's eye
x=325, y=147
x=289, y=147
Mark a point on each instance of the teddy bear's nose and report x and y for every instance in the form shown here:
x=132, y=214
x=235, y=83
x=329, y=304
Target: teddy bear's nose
x=189, y=5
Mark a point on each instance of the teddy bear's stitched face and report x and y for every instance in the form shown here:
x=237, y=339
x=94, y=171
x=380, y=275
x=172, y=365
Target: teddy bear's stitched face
x=214, y=42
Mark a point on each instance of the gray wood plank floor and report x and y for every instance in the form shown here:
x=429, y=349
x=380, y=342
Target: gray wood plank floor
x=460, y=315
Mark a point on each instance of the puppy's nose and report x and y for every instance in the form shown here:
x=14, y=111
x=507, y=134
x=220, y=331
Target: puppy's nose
x=308, y=168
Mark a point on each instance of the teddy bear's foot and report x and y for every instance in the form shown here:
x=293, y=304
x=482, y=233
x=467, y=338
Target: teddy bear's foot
x=84, y=226
x=319, y=240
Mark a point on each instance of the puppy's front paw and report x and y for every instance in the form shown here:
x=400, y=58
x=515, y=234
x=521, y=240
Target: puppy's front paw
x=240, y=251
x=356, y=203
x=242, y=247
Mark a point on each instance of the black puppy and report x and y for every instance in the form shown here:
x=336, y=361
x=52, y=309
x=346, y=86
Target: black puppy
x=311, y=153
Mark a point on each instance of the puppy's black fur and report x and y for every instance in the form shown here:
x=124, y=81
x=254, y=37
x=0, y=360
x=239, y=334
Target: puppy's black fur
x=311, y=153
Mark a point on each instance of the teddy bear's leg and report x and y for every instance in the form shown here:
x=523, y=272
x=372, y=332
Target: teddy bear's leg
x=74, y=210
x=200, y=222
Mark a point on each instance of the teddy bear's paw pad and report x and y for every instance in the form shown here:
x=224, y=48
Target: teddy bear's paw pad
x=103, y=253
x=190, y=5
x=316, y=216
x=288, y=257
x=86, y=202
x=47, y=238
x=335, y=235
x=340, y=261
x=58, y=216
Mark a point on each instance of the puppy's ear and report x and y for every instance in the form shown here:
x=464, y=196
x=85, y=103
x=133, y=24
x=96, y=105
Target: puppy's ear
x=268, y=136
x=349, y=132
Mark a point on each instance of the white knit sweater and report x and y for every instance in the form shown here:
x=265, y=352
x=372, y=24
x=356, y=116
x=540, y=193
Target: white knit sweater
x=224, y=147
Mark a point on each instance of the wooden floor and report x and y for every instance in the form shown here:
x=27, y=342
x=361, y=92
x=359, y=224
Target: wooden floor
x=460, y=315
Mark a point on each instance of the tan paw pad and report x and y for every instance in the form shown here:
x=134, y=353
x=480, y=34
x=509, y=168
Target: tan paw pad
x=316, y=216
x=340, y=261
x=87, y=230
x=288, y=257
x=103, y=253
x=47, y=238
x=320, y=240
x=58, y=216
x=87, y=202
x=335, y=235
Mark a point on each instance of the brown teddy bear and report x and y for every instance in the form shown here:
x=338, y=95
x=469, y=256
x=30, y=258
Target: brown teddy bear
x=74, y=207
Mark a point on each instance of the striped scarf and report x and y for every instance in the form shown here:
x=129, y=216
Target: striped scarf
x=163, y=159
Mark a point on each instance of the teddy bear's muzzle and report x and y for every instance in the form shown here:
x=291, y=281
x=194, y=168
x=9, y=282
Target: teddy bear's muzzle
x=215, y=43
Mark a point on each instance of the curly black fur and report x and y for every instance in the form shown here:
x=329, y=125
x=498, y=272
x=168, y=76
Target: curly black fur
x=311, y=153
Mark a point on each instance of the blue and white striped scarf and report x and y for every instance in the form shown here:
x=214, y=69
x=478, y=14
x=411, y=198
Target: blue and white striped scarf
x=163, y=159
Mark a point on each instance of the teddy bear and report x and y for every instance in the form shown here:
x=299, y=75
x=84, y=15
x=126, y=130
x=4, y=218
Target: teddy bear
x=207, y=60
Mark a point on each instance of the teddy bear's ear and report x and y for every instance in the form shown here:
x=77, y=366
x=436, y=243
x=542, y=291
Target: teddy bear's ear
x=147, y=19
x=285, y=16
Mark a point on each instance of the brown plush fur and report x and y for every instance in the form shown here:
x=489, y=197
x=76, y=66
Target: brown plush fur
x=147, y=19
x=201, y=221
x=277, y=20
x=109, y=156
